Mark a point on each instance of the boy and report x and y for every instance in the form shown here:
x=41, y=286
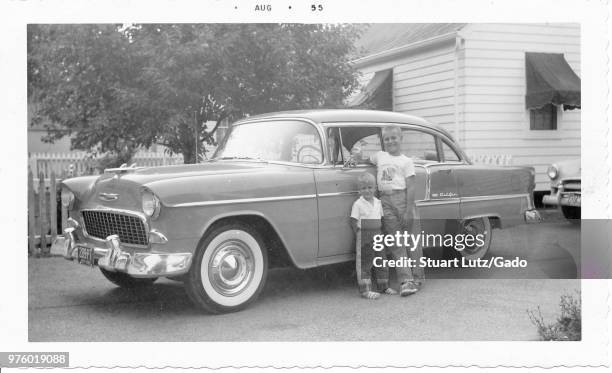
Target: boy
x=365, y=221
x=395, y=174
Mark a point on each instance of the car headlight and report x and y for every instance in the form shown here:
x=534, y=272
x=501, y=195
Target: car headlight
x=552, y=172
x=67, y=198
x=150, y=204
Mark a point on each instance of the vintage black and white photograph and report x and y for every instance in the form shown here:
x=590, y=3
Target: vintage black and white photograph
x=283, y=184
x=304, y=182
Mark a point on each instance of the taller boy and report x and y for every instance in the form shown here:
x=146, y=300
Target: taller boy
x=396, y=183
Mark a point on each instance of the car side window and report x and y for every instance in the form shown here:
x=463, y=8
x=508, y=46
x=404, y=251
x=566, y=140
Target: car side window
x=365, y=147
x=419, y=145
x=338, y=154
x=449, y=153
x=358, y=143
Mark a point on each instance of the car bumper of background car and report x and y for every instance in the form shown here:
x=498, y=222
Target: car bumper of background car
x=113, y=257
x=563, y=199
x=551, y=199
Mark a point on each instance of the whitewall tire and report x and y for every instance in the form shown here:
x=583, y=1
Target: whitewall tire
x=229, y=269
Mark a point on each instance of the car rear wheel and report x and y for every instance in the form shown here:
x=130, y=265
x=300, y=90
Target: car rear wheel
x=229, y=269
x=124, y=280
x=480, y=229
x=571, y=213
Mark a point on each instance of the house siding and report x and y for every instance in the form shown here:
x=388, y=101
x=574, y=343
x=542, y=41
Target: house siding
x=423, y=83
x=493, y=115
x=37, y=145
x=490, y=91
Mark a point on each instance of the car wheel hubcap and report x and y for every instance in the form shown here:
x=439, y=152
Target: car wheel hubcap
x=474, y=228
x=231, y=267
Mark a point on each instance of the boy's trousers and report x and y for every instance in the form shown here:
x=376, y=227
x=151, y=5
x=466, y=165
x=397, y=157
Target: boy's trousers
x=394, y=205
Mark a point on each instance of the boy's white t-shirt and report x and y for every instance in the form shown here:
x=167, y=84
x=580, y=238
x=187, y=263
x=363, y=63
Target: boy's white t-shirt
x=362, y=209
x=392, y=170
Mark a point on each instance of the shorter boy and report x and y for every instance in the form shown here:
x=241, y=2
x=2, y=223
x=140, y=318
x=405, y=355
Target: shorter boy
x=366, y=222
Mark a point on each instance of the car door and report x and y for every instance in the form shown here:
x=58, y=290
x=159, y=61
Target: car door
x=337, y=188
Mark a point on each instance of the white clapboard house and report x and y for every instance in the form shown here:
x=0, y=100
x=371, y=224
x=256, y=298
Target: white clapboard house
x=509, y=93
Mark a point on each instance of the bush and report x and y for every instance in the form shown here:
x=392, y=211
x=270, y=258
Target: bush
x=568, y=326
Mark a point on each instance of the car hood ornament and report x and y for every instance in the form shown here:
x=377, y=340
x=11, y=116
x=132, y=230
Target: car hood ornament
x=108, y=196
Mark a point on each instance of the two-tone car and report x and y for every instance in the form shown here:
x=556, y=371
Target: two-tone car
x=278, y=191
x=565, y=188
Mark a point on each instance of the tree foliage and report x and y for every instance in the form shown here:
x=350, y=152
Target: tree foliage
x=116, y=87
x=79, y=77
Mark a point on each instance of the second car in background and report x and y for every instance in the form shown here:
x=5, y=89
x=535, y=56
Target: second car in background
x=565, y=188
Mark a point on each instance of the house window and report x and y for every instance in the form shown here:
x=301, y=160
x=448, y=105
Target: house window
x=544, y=118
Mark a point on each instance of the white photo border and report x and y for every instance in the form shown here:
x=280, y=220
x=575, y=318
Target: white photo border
x=593, y=350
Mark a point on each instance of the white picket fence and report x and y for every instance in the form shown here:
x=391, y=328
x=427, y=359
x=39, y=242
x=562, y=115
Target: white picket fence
x=491, y=159
x=77, y=163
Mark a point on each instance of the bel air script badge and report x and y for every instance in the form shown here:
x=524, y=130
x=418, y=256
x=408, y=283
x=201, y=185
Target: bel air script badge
x=108, y=196
x=444, y=195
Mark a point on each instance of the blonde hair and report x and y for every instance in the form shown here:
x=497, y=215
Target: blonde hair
x=366, y=178
x=391, y=128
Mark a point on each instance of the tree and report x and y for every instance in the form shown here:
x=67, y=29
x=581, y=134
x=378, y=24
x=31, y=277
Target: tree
x=163, y=83
x=80, y=79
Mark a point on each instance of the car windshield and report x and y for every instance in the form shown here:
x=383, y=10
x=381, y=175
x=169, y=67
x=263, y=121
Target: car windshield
x=283, y=141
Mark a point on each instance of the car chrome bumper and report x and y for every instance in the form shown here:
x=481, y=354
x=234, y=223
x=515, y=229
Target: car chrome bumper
x=114, y=258
x=560, y=199
x=532, y=216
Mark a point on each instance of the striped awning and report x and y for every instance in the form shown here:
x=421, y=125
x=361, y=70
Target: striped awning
x=550, y=80
x=377, y=94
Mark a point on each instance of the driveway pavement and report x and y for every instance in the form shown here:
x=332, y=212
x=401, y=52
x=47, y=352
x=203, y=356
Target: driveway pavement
x=70, y=302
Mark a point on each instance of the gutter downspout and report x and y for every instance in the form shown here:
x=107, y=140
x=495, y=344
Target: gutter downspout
x=458, y=40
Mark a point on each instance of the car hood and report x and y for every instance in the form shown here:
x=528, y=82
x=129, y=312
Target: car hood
x=175, y=185
x=569, y=169
x=149, y=175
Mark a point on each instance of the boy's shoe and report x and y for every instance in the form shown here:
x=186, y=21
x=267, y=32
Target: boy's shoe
x=389, y=291
x=408, y=288
x=370, y=294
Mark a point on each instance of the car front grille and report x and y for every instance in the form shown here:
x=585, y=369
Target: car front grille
x=571, y=186
x=129, y=228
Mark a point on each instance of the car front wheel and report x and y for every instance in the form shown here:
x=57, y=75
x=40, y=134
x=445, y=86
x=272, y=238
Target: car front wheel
x=229, y=269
